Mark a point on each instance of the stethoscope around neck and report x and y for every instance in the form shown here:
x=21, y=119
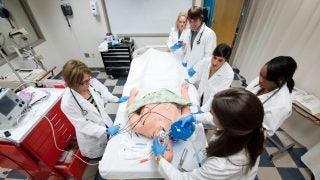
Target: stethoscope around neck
x=199, y=40
x=202, y=27
x=274, y=93
x=83, y=111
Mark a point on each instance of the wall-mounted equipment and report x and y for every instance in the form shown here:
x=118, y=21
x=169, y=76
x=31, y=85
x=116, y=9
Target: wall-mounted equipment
x=18, y=34
x=67, y=11
x=94, y=7
x=4, y=13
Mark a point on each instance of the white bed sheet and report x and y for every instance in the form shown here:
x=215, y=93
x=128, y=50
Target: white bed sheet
x=128, y=155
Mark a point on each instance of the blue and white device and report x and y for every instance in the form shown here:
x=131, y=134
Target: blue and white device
x=11, y=107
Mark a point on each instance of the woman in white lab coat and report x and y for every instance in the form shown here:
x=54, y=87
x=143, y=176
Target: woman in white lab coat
x=201, y=41
x=233, y=153
x=83, y=103
x=179, y=34
x=273, y=87
x=214, y=74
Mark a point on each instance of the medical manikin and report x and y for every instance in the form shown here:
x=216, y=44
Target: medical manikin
x=154, y=114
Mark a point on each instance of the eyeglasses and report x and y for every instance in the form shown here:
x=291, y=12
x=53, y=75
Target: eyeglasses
x=86, y=82
x=191, y=21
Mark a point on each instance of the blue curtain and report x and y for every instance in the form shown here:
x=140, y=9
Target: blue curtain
x=208, y=6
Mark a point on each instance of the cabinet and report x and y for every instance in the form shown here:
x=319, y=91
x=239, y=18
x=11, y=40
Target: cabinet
x=118, y=58
x=38, y=154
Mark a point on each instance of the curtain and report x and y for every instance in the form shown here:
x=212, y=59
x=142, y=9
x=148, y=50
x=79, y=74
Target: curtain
x=282, y=27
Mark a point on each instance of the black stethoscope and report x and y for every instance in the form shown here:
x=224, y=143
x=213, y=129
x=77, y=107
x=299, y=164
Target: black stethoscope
x=199, y=40
x=271, y=94
x=83, y=111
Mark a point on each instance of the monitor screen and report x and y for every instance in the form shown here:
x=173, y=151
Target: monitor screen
x=6, y=105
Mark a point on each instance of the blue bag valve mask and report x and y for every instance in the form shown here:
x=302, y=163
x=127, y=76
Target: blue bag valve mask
x=181, y=133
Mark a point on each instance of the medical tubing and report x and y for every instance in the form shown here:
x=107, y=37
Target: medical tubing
x=132, y=115
x=125, y=129
x=55, y=142
x=137, y=121
x=140, y=119
x=148, y=113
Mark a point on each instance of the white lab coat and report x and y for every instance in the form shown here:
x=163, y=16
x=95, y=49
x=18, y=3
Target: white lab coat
x=91, y=128
x=173, y=37
x=202, y=50
x=219, y=81
x=213, y=168
x=277, y=109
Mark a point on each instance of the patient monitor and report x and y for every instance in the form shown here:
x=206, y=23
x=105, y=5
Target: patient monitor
x=11, y=108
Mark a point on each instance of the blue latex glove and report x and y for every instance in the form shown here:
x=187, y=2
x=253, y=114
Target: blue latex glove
x=123, y=99
x=111, y=131
x=176, y=46
x=157, y=149
x=115, y=43
x=184, y=64
x=187, y=119
x=191, y=72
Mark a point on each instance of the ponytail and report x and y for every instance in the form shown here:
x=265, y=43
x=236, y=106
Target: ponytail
x=282, y=68
x=290, y=84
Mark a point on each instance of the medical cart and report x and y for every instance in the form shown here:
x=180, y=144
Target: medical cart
x=118, y=58
x=42, y=144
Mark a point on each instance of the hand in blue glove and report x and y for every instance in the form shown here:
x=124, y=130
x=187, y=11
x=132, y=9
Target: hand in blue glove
x=123, y=99
x=176, y=46
x=157, y=149
x=184, y=64
x=115, y=43
x=113, y=130
x=191, y=72
x=187, y=119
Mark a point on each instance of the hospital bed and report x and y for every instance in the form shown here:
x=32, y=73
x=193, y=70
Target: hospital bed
x=140, y=51
x=128, y=154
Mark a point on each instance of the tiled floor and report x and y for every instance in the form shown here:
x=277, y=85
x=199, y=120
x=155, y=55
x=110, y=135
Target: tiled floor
x=286, y=166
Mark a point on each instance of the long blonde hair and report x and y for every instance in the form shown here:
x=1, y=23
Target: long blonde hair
x=179, y=15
